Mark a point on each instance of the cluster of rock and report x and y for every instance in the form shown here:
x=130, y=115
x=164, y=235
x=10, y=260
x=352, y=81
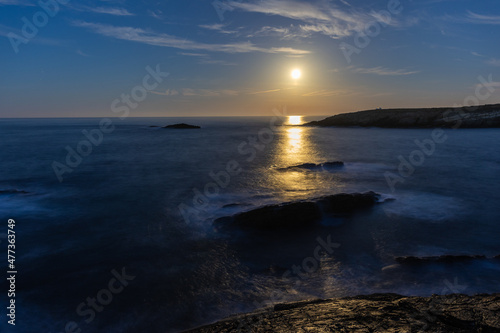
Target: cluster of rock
x=373, y=313
x=299, y=214
x=464, y=117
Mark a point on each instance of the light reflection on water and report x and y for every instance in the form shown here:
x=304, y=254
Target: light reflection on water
x=294, y=146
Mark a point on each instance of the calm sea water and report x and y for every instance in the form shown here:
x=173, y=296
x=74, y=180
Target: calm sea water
x=118, y=210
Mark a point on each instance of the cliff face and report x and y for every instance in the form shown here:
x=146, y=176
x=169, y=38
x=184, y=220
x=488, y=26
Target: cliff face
x=374, y=313
x=466, y=117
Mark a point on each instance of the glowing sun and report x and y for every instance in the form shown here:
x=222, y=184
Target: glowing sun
x=296, y=74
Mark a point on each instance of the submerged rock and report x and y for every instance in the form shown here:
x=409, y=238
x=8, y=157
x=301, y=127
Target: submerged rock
x=13, y=191
x=313, y=166
x=182, y=126
x=374, y=313
x=448, y=259
x=299, y=214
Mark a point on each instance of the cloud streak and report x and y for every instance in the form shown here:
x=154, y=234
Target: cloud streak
x=383, y=71
x=164, y=40
x=319, y=17
x=219, y=28
x=110, y=11
x=482, y=19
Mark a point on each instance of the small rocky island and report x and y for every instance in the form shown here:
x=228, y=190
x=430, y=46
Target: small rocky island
x=372, y=313
x=485, y=116
x=182, y=126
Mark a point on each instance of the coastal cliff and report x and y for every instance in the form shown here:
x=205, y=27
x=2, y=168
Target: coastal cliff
x=373, y=313
x=485, y=116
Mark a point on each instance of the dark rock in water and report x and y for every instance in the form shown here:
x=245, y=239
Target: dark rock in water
x=378, y=313
x=182, y=126
x=447, y=259
x=299, y=214
x=312, y=166
x=154, y=126
x=13, y=191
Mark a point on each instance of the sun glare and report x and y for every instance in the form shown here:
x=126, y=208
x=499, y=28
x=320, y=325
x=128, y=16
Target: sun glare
x=294, y=120
x=296, y=74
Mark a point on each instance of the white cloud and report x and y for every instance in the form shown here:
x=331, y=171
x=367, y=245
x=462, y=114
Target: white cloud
x=197, y=92
x=16, y=3
x=494, y=62
x=219, y=28
x=328, y=93
x=482, y=19
x=491, y=84
x=383, y=71
x=111, y=11
x=264, y=92
x=164, y=40
x=320, y=16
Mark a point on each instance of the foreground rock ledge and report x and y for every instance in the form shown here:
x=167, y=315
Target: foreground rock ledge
x=373, y=313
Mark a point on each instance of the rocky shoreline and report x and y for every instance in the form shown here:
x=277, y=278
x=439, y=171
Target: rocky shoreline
x=372, y=313
x=485, y=116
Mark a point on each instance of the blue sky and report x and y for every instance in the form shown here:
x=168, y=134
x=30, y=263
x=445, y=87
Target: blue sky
x=235, y=57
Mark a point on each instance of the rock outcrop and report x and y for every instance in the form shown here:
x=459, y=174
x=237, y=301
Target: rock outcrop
x=446, y=259
x=374, y=313
x=182, y=126
x=313, y=166
x=464, y=117
x=13, y=191
x=298, y=214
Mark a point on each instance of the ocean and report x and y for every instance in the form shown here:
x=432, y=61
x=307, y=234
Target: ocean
x=116, y=235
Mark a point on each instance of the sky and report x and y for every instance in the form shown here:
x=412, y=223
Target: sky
x=235, y=58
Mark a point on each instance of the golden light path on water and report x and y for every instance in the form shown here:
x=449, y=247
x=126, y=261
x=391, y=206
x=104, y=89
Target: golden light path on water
x=295, y=147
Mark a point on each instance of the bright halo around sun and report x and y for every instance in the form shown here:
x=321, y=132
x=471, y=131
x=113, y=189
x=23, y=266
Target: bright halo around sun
x=296, y=74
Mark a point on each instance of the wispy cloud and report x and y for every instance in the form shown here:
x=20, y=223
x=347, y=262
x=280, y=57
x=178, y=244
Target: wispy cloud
x=205, y=59
x=264, y=92
x=284, y=33
x=328, y=93
x=16, y=3
x=318, y=16
x=193, y=54
x=83, y=54
x=492, y=84
x=216, y=62
x=197, y=92
x=219, y=28
x=494, y=62
x=482, y=19
x=383, y=71
x=164, y=40
x=111, y=11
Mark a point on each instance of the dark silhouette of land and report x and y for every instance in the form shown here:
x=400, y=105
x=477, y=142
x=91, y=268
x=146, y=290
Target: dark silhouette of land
x=484, y=116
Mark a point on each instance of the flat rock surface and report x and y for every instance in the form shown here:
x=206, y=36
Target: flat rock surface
x=373, y=313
